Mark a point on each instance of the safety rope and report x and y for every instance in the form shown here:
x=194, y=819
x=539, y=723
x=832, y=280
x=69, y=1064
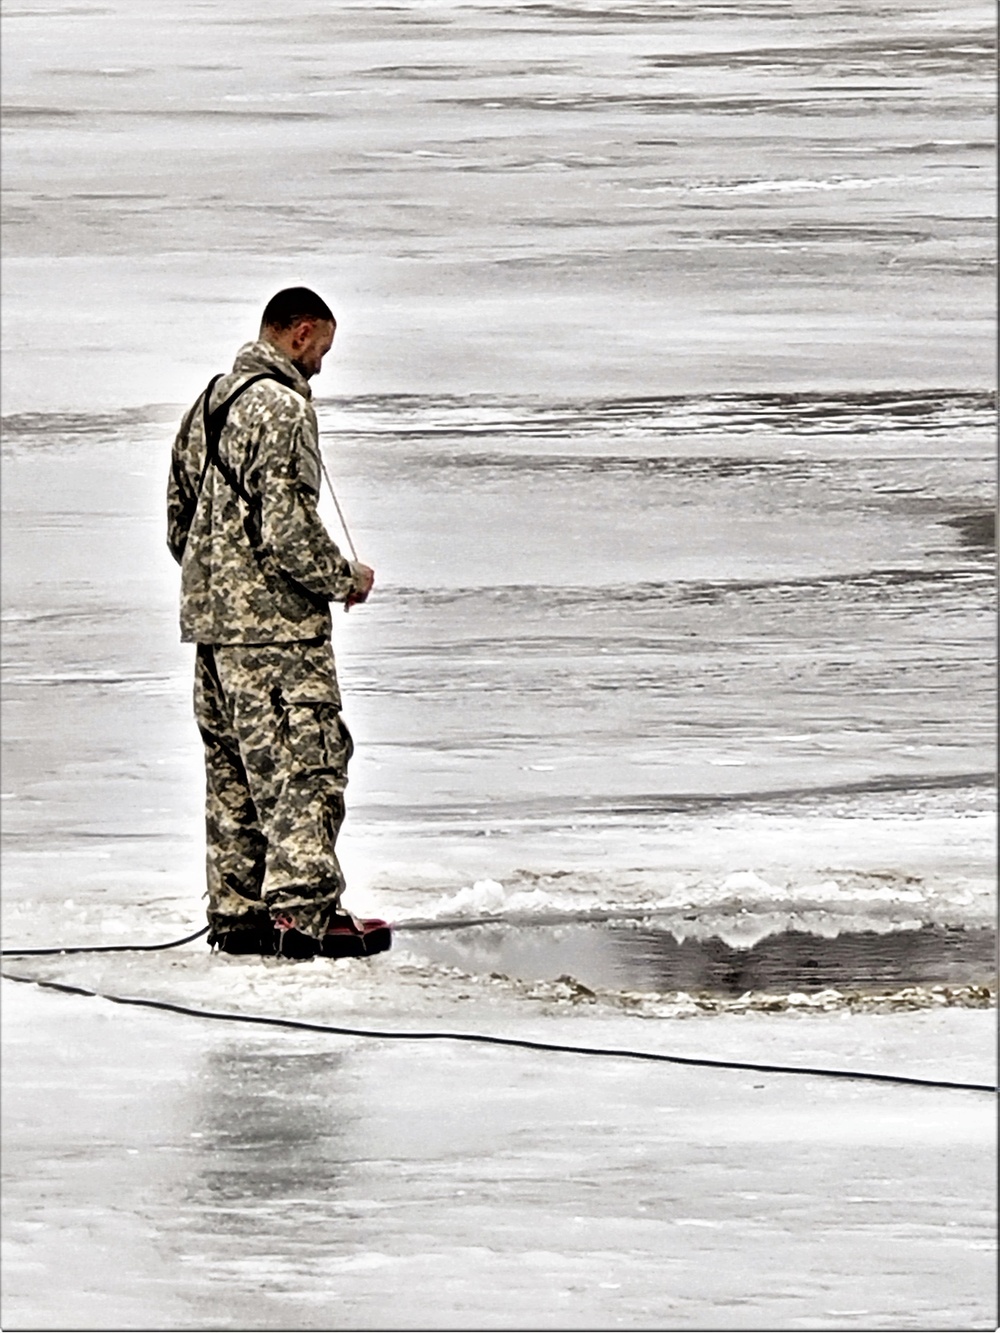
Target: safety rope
x=486, y=1039
x=340, y=512
x=103, y=948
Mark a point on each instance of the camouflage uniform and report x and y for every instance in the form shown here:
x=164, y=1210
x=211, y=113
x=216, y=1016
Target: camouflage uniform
x=258, y=571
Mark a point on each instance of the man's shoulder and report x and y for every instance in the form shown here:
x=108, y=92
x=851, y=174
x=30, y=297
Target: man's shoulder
x=269, y=401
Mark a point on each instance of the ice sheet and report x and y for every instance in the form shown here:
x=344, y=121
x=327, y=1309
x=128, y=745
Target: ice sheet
x=177, y=1173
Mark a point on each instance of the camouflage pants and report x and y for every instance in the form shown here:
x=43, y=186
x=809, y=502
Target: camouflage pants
x=276, y=755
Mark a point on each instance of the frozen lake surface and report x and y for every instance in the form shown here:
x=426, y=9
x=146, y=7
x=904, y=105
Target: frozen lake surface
x=177, y=1173
x=617, y=658
x=502, y=196
x=662, y=403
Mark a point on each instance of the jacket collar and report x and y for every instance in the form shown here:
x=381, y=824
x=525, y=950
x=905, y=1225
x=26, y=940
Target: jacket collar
x=255, y=357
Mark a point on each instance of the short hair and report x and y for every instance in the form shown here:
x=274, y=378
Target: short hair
x=287, y=307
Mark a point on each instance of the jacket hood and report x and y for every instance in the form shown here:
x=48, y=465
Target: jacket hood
x=255, y=357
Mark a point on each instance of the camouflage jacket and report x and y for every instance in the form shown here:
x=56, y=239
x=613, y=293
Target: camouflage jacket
x=260, y=568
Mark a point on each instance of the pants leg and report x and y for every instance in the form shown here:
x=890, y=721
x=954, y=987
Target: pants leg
x=294, y=746
x=236, y=848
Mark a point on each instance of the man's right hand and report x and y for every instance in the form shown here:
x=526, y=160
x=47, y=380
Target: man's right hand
x=365, y=579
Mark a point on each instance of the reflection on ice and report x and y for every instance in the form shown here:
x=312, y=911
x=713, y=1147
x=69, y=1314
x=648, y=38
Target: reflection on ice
x=269, y=1124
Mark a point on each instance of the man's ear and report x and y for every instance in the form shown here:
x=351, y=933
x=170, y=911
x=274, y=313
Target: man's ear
x=302, y=332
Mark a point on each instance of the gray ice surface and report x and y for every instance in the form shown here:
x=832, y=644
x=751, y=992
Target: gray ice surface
x=168, y=1172
x=501, y=197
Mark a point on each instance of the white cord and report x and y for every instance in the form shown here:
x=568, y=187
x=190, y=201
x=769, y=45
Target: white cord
x=340, y=512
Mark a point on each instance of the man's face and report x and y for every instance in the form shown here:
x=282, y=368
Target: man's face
x=310, y=341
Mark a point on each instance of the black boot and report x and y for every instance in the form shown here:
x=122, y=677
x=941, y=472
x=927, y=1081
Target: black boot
x=254, y=935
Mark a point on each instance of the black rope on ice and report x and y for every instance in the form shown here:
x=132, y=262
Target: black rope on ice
x=484, y=1039
x=103, y=948
x=429, y=924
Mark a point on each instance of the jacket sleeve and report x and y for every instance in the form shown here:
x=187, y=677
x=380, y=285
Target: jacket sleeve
x=182, y=493
x=292, y=535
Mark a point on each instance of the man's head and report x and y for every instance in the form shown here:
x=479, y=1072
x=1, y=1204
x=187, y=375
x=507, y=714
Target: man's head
x=300, y=324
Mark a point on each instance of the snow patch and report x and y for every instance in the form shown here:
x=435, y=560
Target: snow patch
x=486, y=895
x=746, y=881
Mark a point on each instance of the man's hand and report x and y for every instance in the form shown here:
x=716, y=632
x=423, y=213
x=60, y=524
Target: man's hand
x=365, y=579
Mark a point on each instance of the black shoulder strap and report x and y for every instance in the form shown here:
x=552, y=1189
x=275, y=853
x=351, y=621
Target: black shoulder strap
x=215, y=421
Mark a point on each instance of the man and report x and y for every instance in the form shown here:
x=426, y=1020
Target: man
x=258, y=573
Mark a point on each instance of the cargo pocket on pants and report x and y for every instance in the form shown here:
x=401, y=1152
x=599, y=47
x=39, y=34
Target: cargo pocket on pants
x=316, y=738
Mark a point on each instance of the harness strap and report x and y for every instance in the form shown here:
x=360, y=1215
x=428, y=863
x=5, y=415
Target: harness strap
x=214, y=421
